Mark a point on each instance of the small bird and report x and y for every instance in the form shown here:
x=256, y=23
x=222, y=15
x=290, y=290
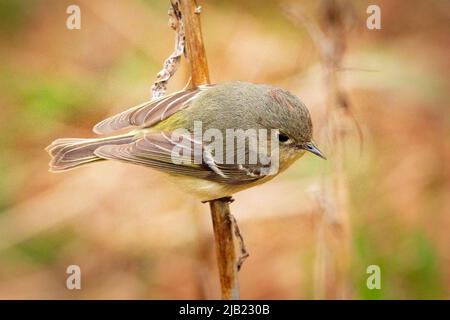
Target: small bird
x=156, y=128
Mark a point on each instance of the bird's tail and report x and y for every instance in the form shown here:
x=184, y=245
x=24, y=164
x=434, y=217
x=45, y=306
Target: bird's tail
x=69, y=153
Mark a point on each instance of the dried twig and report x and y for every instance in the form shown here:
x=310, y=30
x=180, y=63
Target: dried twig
x=220, y=210
x=244, y=254
x=171, y=64
x=336, y=229
x=225, y=250
x=333, y=226
x=195, y=49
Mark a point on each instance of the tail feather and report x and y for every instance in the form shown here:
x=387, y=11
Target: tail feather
x=68, y=153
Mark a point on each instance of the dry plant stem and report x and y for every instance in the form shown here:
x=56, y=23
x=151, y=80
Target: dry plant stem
x=220, y=209
x=332, y=222
x=335, y=224
x=244, y=254
x=195, y=49
x=171, y=64
x=225, y=250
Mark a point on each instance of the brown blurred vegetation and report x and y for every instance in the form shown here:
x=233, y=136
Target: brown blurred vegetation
x=135, y=235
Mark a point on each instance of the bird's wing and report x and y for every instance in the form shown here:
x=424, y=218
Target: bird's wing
x=181, y=156
x=151, y=112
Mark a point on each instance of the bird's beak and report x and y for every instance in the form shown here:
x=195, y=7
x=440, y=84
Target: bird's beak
x=313, y=149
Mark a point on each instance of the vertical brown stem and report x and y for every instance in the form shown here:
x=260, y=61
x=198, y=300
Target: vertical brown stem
x=195, y=49
x=220, y=209
x=226, y=254
x=336, y=225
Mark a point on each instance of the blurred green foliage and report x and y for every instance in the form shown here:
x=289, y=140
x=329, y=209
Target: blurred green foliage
x=43, y=249
x=13, y=16
x=411, y=255
x=407, y=257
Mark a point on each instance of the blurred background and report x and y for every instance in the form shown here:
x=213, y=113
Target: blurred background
x=135, y=235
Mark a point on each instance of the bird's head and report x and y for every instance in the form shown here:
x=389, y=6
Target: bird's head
x=290, y=116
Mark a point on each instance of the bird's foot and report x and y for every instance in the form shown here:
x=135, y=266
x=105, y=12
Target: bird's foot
x=228, y=199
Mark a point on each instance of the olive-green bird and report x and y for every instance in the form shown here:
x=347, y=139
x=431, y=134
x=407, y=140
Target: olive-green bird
x=237, y=106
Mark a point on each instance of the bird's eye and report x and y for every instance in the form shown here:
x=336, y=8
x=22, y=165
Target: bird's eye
x=283, y=138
